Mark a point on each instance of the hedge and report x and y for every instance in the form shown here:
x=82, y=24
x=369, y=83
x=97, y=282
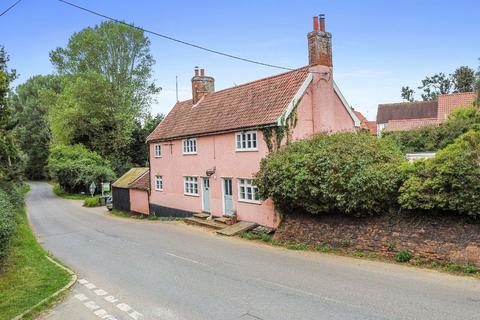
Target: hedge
x=349, y=173
x=7, y=224
x=448, y=182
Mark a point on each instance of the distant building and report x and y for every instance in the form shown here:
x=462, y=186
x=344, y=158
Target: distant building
x=365, y=124
x=410, y=115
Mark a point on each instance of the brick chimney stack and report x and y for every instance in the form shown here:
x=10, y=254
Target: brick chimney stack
x=201, y=85
x=319, y=44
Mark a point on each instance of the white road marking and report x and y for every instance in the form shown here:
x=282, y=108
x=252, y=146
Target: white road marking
x=110, y=299
x=90, y=286
x=82, y=281
x=81, y=297
x=135, y=315
x=91, y=305
x=124, y=307
x=100, y=292
x=185, y=259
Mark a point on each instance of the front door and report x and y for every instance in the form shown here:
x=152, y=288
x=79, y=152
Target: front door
x=227, y=197
x=206, y=194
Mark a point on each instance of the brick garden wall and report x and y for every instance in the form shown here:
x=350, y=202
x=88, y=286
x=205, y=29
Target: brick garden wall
x=444, y=238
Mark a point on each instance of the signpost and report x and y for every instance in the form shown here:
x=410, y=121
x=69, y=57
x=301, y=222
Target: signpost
x=93, y=187
x=105, y=187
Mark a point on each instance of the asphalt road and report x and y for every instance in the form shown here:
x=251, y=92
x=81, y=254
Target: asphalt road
x=161, y=270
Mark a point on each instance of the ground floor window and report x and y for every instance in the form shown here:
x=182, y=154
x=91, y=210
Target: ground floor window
x=247, y=191
x=191, y=186
x=159, y=183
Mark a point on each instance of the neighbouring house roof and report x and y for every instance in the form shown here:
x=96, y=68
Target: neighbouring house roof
x=130, y=177
x=365, y=124
x=448, y=102
x=254, y=104
x=407, y=110
x=142, y=182
x=372, y=126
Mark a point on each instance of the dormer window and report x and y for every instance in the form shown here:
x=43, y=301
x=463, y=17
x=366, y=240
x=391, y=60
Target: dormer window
x=190, y=146
x=246, y=141
x=157, y=150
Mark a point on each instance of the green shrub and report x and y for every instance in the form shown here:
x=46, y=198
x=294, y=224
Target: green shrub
x=7, y=224
x=432, y=138
x=75, y=167
x=403, y=256
x=450, y=181
x=91, y=202
x=297, y=246
x=354, y=174
x=390, y=245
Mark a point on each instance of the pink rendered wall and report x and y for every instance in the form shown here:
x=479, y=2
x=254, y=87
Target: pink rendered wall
x=139, y=201
x=321, y=109
x=212, y=151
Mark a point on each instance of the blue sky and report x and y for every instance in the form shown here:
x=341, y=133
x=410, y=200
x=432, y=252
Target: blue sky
x=378, y=46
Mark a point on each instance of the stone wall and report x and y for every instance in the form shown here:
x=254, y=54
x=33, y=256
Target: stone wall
x=429, y=238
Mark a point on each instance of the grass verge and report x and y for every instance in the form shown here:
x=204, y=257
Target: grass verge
x=457, y=269
x=28, y=276
x=70, y=196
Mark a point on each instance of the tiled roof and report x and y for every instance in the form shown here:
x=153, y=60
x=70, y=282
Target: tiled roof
x=448, y=102
x=129, y=177
x=142, y=182
x=406, y=110
x=372, y=126
x=253, y=104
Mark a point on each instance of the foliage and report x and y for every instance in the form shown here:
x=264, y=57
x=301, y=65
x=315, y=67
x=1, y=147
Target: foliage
x=138, y=148
x=7, y=224
x=349, y=173
x=11, y=159
x=91, y=202
x=118, y=52
x=450, y=181
x=463, y=79
x=403, y=256
x=32, y=127
x=75, y=167
x=408, y=94
x=29, y=277
x=432, y=138
x=108, y=89
x=70, y=196
x=263, y=236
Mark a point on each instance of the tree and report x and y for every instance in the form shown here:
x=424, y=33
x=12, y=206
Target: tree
x=75, y=167
x=435, y=85
x=118, y=52
x=108, y=90
x=408, y=94
x=464, y=79
x=138, y=148
x=11, y=160
x=32, y=127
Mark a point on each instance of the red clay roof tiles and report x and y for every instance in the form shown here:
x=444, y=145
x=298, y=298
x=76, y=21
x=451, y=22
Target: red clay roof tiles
x=252, y=104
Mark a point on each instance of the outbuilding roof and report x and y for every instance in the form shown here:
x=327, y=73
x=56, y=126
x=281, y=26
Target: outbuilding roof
x=254, y=104
x=130, y=177
x=407, y=110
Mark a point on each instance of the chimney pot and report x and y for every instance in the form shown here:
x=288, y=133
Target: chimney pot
x=202, y=72
x=196, y=71
x=321, y=17
x=315, y=24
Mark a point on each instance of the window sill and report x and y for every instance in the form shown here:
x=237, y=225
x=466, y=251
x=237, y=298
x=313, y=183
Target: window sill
x=189, y=154
x=156, y=157
x=246, y=150
x=159, y=190
x=250, y=201
x=191, y=195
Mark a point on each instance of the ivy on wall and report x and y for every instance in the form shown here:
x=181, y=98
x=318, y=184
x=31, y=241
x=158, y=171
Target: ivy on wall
x=274, y=135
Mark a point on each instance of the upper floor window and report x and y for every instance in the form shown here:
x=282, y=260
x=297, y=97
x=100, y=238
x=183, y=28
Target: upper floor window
x=190, y=186
x=246, y=140
x=159, y=183
x=247, y=191
x=158, y=150
x=190, y=146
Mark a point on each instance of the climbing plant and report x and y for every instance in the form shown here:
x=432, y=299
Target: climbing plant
x=274, y=135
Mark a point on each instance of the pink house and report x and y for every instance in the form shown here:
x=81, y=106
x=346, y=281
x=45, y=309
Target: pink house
x=204, y=155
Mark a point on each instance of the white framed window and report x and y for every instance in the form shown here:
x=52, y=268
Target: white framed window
x=247, y=191
x=159, y=183
x=190, y=186
x=157, y=150
x=190, y=146
x=246, y=141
